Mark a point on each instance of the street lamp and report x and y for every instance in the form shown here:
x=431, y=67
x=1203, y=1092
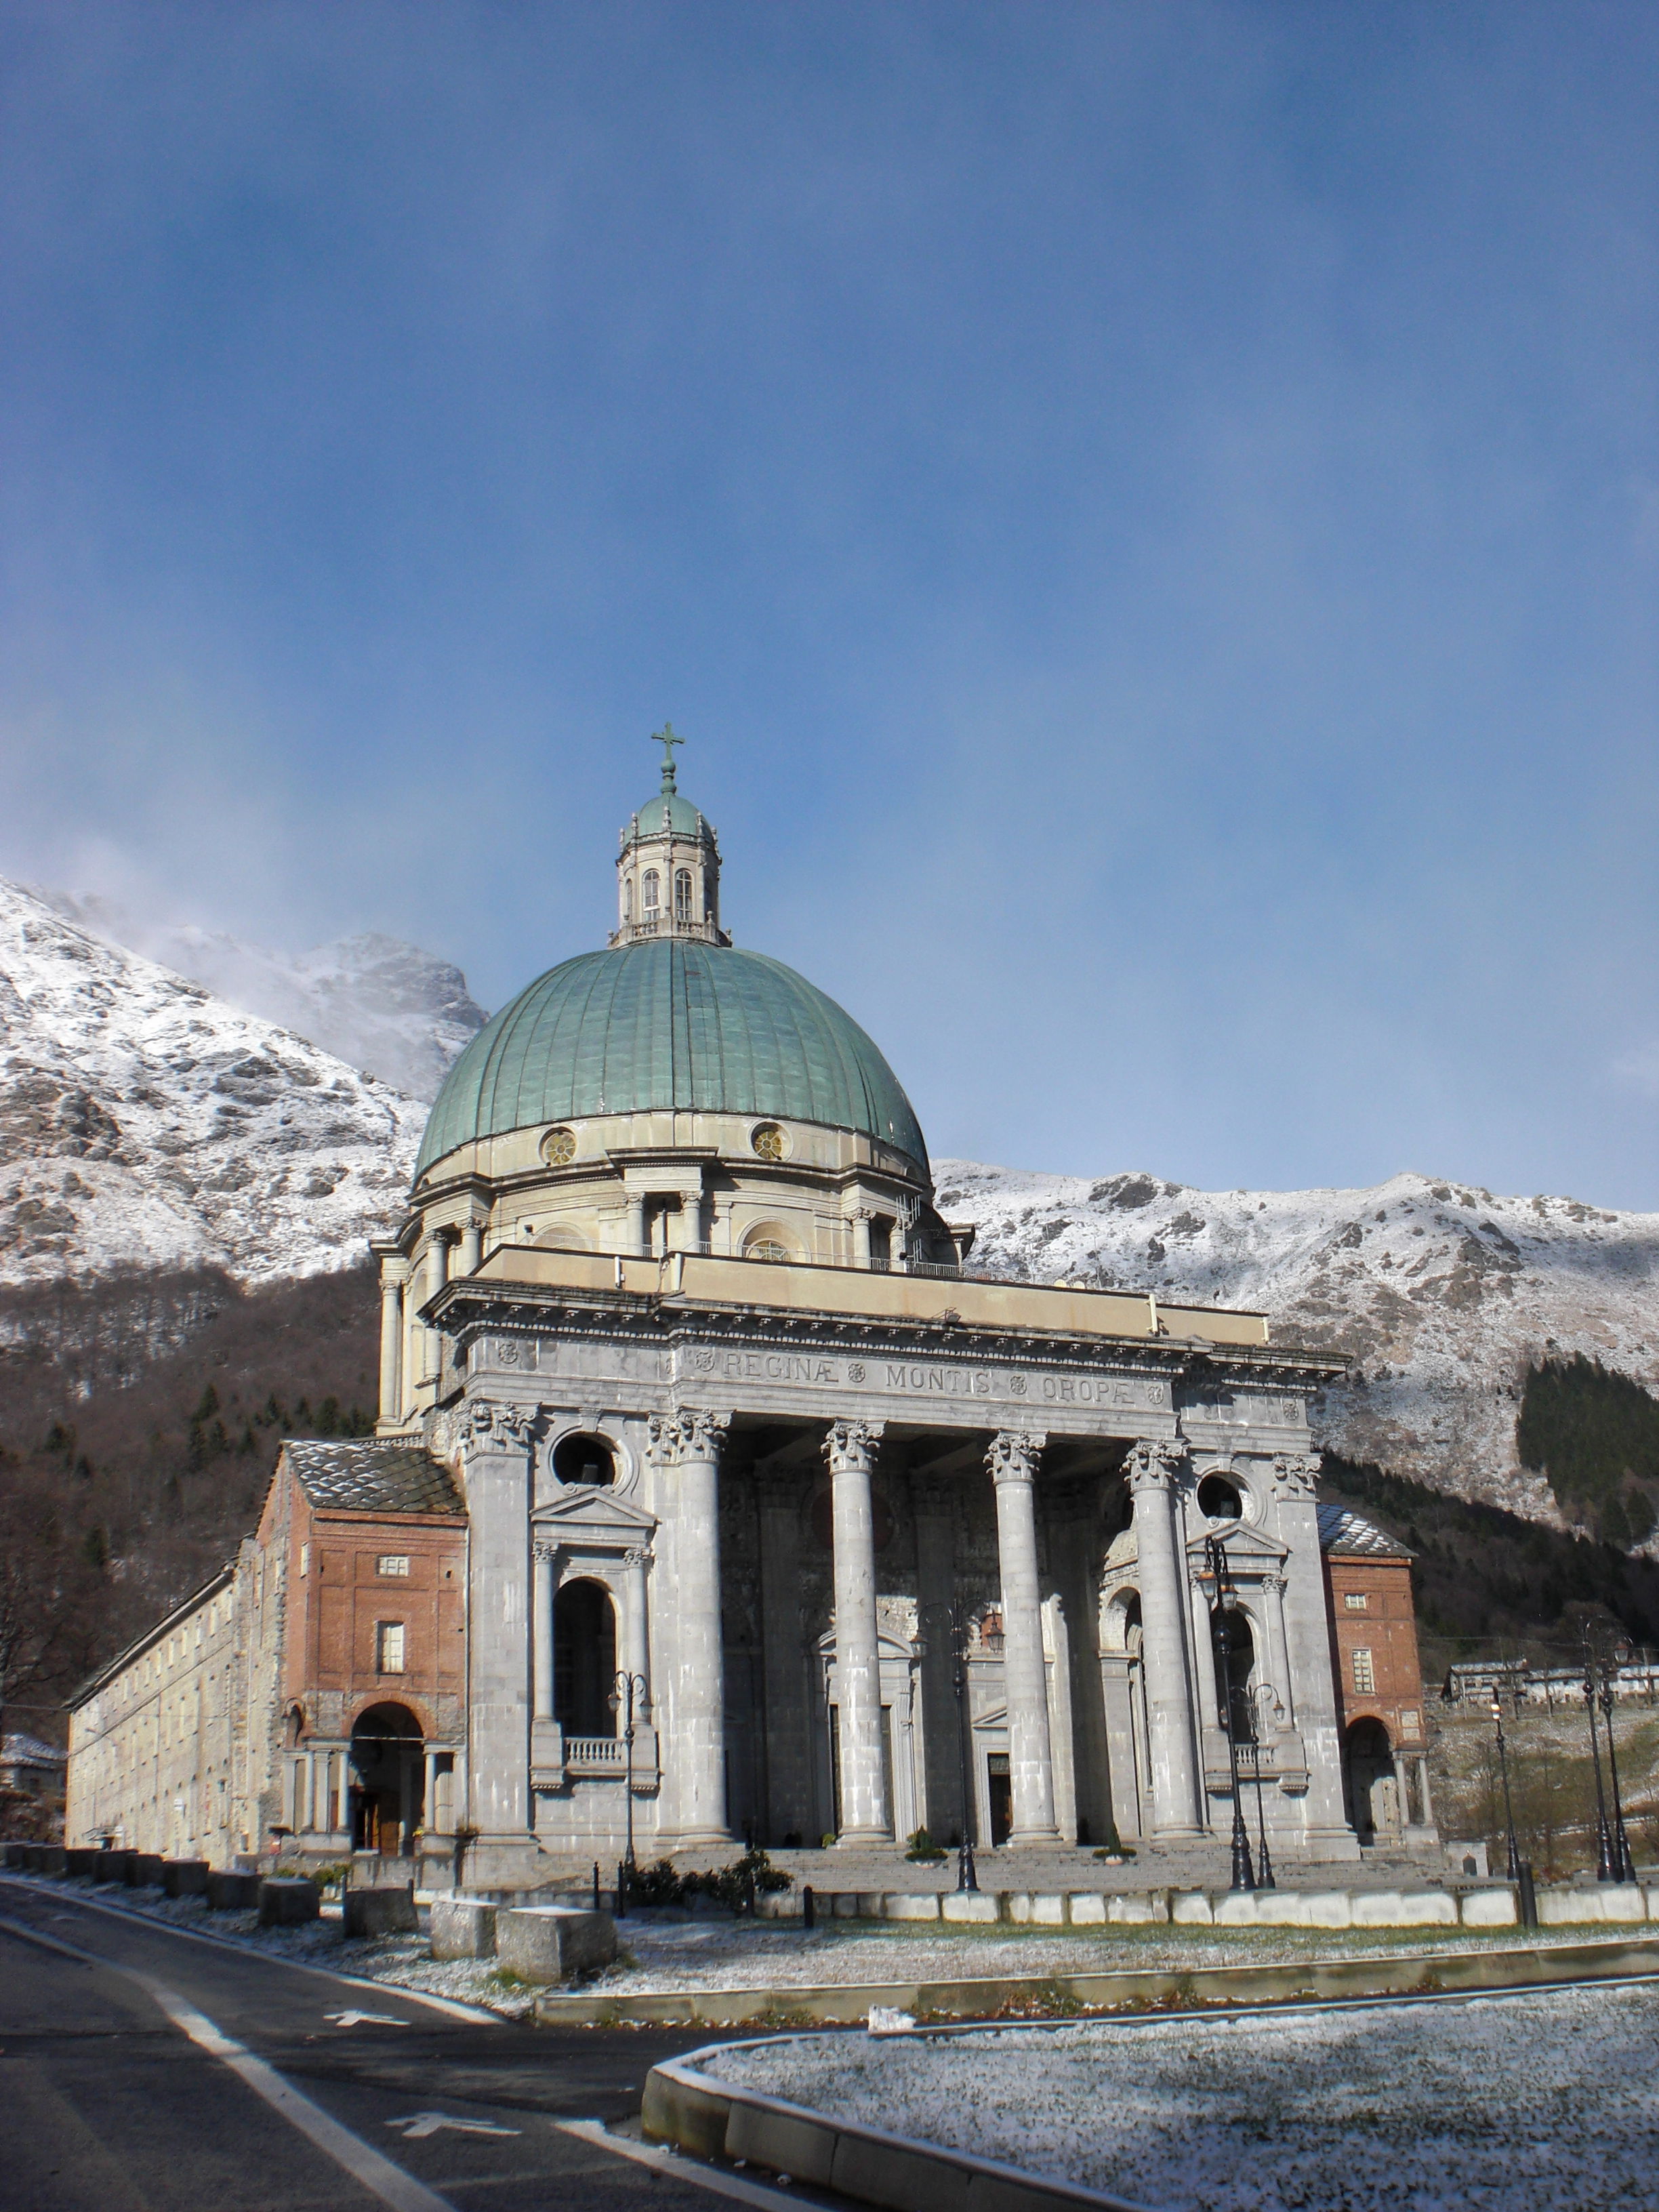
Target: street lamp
x=967, y=1874
x=1215, y=1555
x=1624, y=1866
x=1509, y=1809
x=1605, y=1870
x=627, y=1691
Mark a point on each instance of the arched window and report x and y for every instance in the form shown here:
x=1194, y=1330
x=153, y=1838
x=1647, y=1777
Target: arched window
x=653, y=886
x=1235, y=1672
x=682, y=894
x=627, y=898
x=765, y=1241
x=584, y=1658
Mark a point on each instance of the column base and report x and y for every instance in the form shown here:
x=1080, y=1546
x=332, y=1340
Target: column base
x=1180, y=1832
x=862, y=1839
x=1018, y=1838
x=696, y=1840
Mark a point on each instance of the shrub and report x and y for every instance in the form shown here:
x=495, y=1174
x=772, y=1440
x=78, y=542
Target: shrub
x=923, y=1849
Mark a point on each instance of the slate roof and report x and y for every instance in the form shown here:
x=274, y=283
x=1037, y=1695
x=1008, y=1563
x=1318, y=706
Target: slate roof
x=29, y=1751
x=375, y=1478
x=1342, y=1529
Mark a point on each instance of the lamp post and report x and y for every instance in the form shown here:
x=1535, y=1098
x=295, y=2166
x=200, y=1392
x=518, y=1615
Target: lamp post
x=967, y=1873
x=627, y=1689
x=1624, y=1866
x=1215, y=1555
x=1604, y=1865
x=1503, y=1768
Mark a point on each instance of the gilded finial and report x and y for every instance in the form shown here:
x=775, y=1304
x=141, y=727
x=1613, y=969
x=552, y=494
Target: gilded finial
x=665, y=737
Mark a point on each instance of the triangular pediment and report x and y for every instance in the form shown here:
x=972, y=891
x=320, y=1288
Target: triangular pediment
x=1250, y=1550
x=592, y=1510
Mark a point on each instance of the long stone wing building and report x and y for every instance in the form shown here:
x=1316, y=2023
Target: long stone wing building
x=705, y=1406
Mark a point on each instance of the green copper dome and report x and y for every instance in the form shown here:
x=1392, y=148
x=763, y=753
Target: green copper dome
x=669, y=1023
x=667, y=811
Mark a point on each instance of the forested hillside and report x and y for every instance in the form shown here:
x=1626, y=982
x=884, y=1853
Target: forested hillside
x=1595, y=1436
x=140, y=1418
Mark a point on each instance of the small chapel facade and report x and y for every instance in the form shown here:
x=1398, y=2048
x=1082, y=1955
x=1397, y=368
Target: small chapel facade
x=729, y=1440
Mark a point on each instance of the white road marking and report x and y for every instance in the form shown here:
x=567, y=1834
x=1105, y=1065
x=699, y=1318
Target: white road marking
x=428, y=2123
x=691, y=2170
x=32, y=1887
x=377, y=2173
x=374, y=2018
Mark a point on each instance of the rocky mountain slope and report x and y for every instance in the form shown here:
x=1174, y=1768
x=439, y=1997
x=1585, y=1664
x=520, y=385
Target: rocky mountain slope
x=1442, y=1294
x=145, y=1123
x=372, y=1001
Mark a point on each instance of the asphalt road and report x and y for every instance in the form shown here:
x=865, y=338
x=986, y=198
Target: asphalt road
x=158, y=2076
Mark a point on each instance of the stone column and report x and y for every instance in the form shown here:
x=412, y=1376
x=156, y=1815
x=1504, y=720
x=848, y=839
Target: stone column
x=343, y=1800
x=1273, y=1598
x=862, y=1217
x=429, y=1793
x=690, y=1445
x=1327, y=1831
x=471, y=1245
x=1012, y=1460
x=392, y=1271
x=941, y=1723
x=498, y=1489
x=437, y=1274
x=1165, y=1685
x=850, y=1449
x=546, y=1596
x=636, y=1648
x=636, y=1244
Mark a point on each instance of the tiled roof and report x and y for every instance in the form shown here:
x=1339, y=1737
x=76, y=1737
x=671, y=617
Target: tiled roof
x=375, y=1478
x=1342, y=1529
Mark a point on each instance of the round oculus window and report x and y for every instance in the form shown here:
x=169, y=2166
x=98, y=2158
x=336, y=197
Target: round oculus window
x=768, y=1142
x=559, y=1147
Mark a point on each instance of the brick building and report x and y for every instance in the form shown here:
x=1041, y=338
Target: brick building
x=316, y=1686
x=1379, y=1679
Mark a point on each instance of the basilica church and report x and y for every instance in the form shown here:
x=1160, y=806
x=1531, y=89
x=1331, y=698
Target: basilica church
x=712, y=1483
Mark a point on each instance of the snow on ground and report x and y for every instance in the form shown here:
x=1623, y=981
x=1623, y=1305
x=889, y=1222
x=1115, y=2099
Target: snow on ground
x=1545, y=2102
x=1442, y=1292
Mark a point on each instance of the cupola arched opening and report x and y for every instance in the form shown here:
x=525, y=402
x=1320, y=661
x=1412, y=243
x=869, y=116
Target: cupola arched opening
x=682, y=894
x=652, y=888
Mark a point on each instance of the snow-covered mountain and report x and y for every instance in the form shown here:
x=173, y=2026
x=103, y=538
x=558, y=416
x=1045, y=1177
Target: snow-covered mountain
x=373, y=1001
x=144, y=1122
x=1442, y=1294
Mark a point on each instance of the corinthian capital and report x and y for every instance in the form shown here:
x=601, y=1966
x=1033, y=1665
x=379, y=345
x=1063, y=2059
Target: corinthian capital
x=1013, y=1456
x=497, y=1424
x=1152, y=1462
x=701, y=1434
x=1295, y=1475
x=850, y=1446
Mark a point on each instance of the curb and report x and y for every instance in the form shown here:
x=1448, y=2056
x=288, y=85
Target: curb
x=715, y=2120
x=1301, y=1980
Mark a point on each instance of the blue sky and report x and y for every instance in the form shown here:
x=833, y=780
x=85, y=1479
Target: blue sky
x=1145, y=516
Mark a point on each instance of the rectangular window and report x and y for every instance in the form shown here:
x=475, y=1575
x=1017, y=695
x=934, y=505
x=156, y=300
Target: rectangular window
x=389, y=1640
x=1356, y=1600
x=1365, y=1677
x=392, y=1563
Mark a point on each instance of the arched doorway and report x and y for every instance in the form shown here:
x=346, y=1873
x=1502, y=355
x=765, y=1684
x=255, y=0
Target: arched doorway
x=388, y=1781
x=584, y=1659
x=1373, y=1786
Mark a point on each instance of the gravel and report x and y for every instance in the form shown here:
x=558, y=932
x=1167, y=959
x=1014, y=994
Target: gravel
x=1544, y=2102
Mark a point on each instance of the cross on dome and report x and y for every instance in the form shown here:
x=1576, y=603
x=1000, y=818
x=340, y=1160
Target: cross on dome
x=665, y=737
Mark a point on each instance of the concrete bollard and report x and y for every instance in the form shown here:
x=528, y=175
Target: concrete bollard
x=462, y=1928
x=82, y=1864
x=144, y=1870
x=551, y=1944
x=288, y=1900
x=112, y=1865
x=185, y=1878
x=232, y=1893
x=371, y=1912
x=52, y=1859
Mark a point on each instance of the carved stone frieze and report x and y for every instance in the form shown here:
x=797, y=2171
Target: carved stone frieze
x=1295, y=1475
x=497, y=1424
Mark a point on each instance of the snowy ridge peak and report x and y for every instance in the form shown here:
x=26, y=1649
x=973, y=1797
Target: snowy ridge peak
x=1442, y=1292
x=145, y=1123
x=370, y=1000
